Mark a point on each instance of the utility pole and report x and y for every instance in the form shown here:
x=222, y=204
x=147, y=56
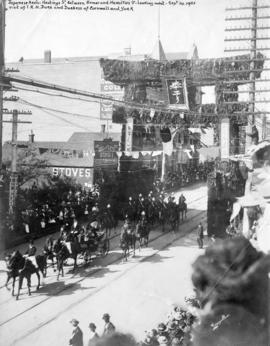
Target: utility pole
x=253, y=11
x=14, y=175
x=2, y=69
x=252, y=77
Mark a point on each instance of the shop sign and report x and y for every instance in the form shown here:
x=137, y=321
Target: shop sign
x=82, y=175
x=177, y=93
x=108, y=87
x=105, y=152
x=106, y=106
x=106, y=110
x=75, y=172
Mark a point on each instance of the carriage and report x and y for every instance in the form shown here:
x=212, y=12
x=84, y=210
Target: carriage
x=95, y=244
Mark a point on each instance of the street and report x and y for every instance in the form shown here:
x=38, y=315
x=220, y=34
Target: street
x=137, y=294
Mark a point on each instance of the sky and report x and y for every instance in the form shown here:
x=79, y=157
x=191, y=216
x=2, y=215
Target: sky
x=77, y=34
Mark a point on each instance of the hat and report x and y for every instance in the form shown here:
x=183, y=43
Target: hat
x=105, y=316
x=143, y=212
x=74, y=321
x=161, y=327
x=163, y=340
x=172, y=325
x=147, y=341
x=176, y=342
x=178, y=316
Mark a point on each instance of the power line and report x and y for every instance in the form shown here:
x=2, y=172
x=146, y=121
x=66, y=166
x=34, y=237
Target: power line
x=56, y=110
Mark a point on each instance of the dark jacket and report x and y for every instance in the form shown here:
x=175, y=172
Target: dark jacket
x=77, y=337
x=200, y=231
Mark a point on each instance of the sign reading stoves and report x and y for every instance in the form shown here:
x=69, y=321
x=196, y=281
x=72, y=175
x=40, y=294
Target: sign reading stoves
x=82, y=175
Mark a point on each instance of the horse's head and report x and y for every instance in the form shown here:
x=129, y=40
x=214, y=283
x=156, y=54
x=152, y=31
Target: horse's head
x=56, y=245
x=13, y=259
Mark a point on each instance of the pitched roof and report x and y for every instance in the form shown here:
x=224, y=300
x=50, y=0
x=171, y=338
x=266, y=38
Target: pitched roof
x=77, y=141
x=158, y=52
x=88, y=138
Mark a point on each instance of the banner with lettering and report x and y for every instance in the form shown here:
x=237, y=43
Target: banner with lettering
x=82, y=175
x=106, y=106
x=177, y=93
x=106, y=153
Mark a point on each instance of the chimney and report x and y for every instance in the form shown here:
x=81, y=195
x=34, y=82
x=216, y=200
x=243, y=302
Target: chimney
x=31, y=137
x=127, y=51
x=48, y=56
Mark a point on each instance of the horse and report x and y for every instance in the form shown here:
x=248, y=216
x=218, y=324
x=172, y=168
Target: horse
x=22, y=267
x=61, y=253
x=182, y=210
x=64, y=248
x=127, y=242
x=142, y=233
x=173, y=217
x=162, y=215
x=108, y=223
x=48, y=251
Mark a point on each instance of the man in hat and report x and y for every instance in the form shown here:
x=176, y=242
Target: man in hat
x=93, y=334
x=163, y=341
x=31, y=252
x=162, y=331
x=77, y=334
x=151, y=338
x=109, y=328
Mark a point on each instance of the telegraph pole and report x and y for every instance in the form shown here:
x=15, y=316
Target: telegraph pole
x=2, y=70
x=14, y=176
x=252, y=77
x=250, y=33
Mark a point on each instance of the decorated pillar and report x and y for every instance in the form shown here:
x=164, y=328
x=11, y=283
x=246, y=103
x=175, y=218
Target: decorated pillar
x=129, y=134
x=225, y=138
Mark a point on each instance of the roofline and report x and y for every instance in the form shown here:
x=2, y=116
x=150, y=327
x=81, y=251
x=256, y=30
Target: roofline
x=71, y=60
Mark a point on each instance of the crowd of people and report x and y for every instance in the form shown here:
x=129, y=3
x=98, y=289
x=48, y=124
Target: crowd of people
x=43, y=216
x=175, y=331
x=189, y=174
x=93, y=338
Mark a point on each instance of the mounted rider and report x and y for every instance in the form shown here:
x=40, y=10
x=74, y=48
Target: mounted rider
x=124, y=234
x=130, y=210
x=94, y=214
x=31, y=253
x=75, y=228
x=140, y=207
x=182, y=200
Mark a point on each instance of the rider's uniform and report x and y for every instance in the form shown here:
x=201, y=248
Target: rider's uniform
x=30, y=253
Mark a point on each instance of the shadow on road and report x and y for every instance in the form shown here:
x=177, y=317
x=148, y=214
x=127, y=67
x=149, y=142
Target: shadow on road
x=61, y=288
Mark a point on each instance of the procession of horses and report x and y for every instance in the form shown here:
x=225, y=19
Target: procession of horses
x=89, y=238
